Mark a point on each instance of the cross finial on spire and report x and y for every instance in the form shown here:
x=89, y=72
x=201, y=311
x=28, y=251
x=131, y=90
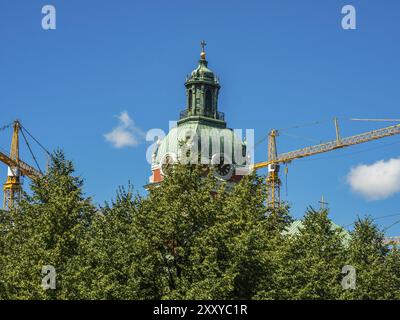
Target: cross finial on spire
x=203, y=45
x=203, y=53
x=323, y=203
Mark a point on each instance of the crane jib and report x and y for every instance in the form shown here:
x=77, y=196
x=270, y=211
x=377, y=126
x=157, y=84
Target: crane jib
x=24, y=168
x=332, y=145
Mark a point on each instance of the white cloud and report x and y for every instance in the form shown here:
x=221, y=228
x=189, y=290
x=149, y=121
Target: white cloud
x=126, y=134
x=377, y=181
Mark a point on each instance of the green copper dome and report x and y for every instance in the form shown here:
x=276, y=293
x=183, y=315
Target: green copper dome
x=202, y=74
x=201, y=133
x=202, y=89
x=203, y=139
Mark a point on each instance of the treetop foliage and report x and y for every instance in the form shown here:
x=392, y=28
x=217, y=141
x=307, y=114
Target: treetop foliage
x=192, y=237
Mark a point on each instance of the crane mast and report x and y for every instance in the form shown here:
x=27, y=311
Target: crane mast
x=12, y=188
x=16, y=168
x=275, y=159
x=273, y=179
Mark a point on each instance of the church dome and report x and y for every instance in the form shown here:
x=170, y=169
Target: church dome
x=202, y=140
x=201, y=134
x=202, y=73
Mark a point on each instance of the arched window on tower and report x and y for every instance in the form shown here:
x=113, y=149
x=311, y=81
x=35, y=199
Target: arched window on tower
x=190, y=102
x=208, y=105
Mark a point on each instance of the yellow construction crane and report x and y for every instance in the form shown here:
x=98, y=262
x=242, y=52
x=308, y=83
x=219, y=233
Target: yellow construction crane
x=16, y=168
x=275, y=160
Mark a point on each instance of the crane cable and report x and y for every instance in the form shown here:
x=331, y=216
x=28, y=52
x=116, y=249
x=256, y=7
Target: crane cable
x=260, y=141
x=40, y=145
x=31, y=152
x=27, y=143
x=308, y=124
x=299, y=137
x=6, y=126
x=394, y=223
x=376, y=218
x=282, y=130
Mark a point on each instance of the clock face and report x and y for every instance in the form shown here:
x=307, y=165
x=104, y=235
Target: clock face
x=223, y=167
x=167, y=163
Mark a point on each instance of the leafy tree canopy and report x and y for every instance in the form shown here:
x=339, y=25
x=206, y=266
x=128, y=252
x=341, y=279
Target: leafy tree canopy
x=191, y=237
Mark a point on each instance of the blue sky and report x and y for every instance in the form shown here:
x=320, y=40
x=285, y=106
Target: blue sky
x=281, y=63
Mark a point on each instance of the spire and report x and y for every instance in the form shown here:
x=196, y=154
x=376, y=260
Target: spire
x=203, y=53
x=202, y=88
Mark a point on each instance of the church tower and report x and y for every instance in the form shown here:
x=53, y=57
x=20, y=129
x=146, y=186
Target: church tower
x=202, y=89
x=201, y=130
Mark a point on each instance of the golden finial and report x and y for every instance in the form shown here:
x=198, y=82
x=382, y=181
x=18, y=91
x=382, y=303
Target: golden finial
x=203, y=53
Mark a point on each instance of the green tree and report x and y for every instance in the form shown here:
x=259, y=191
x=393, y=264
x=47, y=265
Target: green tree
x=393, y=273
x=4, y=230
x=371, y=258
x=45, y=229
x=198, y=239
x=310, y=261
x=192, y=237
x=108, y=251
